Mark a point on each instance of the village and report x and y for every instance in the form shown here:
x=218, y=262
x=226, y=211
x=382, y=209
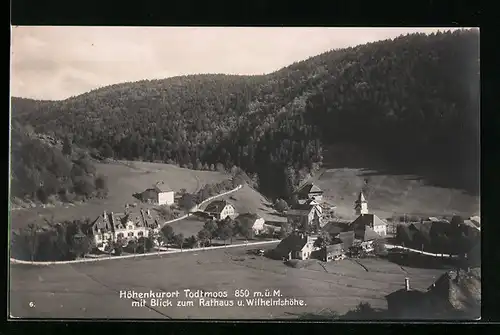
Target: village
x=311, y=232
x=311, y=229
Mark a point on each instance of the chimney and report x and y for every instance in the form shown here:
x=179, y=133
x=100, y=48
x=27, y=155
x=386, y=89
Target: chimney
x=105, y=215
x=407, y=284
x=148, y=212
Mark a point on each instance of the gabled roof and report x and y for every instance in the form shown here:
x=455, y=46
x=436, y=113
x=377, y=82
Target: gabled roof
x=311, y=202
x=162, y=187
x=292, y=242
x=365, y=234
x=102, y=222
x=368, y=220
x=335, y=228
x=250, y=216
x=216, y=206
x=411, y=297
x=335, y=246
x=471, y=224
x=476, y=220
x=309, y=188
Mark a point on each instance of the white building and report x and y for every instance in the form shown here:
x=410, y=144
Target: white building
x=160, y=194
x=121, y=226
x=220, y=209
x=365, y=219
x=255, y=221
x=297, y=246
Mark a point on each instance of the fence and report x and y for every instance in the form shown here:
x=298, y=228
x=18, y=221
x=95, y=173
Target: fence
x=392, y=246
x=175, y=251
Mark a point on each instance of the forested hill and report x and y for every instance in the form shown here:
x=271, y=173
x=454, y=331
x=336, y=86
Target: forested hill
x=414, y=98
x=46, y=170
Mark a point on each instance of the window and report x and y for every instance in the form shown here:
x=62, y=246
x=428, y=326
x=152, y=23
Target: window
x=131, y=234
x=140, y=233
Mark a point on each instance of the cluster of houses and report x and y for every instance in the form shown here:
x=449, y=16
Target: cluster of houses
x=346, y=236
x=219, y=210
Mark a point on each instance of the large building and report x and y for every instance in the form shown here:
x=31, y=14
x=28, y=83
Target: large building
x=305, y=215
x=121, y=226
x=365, y=219
x=159, y=194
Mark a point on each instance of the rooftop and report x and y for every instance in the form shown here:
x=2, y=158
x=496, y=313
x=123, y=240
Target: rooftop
x=216, y=206
x=368, y=220
x=309, y=188
x=161, y=186
x=252, y=216
x=293, y=242
x=365, y=234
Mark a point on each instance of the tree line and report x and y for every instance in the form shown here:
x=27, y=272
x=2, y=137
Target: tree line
x=413, y=99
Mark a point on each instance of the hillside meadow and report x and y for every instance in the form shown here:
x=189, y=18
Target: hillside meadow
x=391, y=195
x=124, y=179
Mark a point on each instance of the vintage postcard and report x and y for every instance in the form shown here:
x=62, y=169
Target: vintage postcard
x=249, y=173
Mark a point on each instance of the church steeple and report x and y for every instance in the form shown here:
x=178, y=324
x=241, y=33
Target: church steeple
x=361, y=205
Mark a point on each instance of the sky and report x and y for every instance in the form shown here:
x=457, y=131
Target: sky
x=54, y=63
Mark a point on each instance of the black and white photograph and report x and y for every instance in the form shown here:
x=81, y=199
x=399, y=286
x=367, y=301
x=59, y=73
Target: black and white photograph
x=244, y=173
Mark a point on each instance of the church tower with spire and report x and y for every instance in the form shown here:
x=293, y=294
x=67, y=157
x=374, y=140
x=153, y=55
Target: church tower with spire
x=361, y=205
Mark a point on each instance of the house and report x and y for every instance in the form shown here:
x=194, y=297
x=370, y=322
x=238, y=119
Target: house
x=121, y=226
x=220, y=209
x=309, y=191
x=254, y=221
x=407, y=303
x=159, y=194
x=476, y=220
x=304, y=215
x=330, y=252
x=296, y=246
x=372, y=221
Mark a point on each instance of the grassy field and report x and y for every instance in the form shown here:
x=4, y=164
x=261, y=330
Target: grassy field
x=393, y=194
x=124, y=179
x=92, y=290
x=248, y=200
x=188, y=227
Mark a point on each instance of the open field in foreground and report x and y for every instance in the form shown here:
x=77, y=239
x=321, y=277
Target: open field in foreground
x=92, y=290
x=393, y=194
x=124, y=179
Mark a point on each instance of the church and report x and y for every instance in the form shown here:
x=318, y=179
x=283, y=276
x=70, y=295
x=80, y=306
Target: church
x=365, y=219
